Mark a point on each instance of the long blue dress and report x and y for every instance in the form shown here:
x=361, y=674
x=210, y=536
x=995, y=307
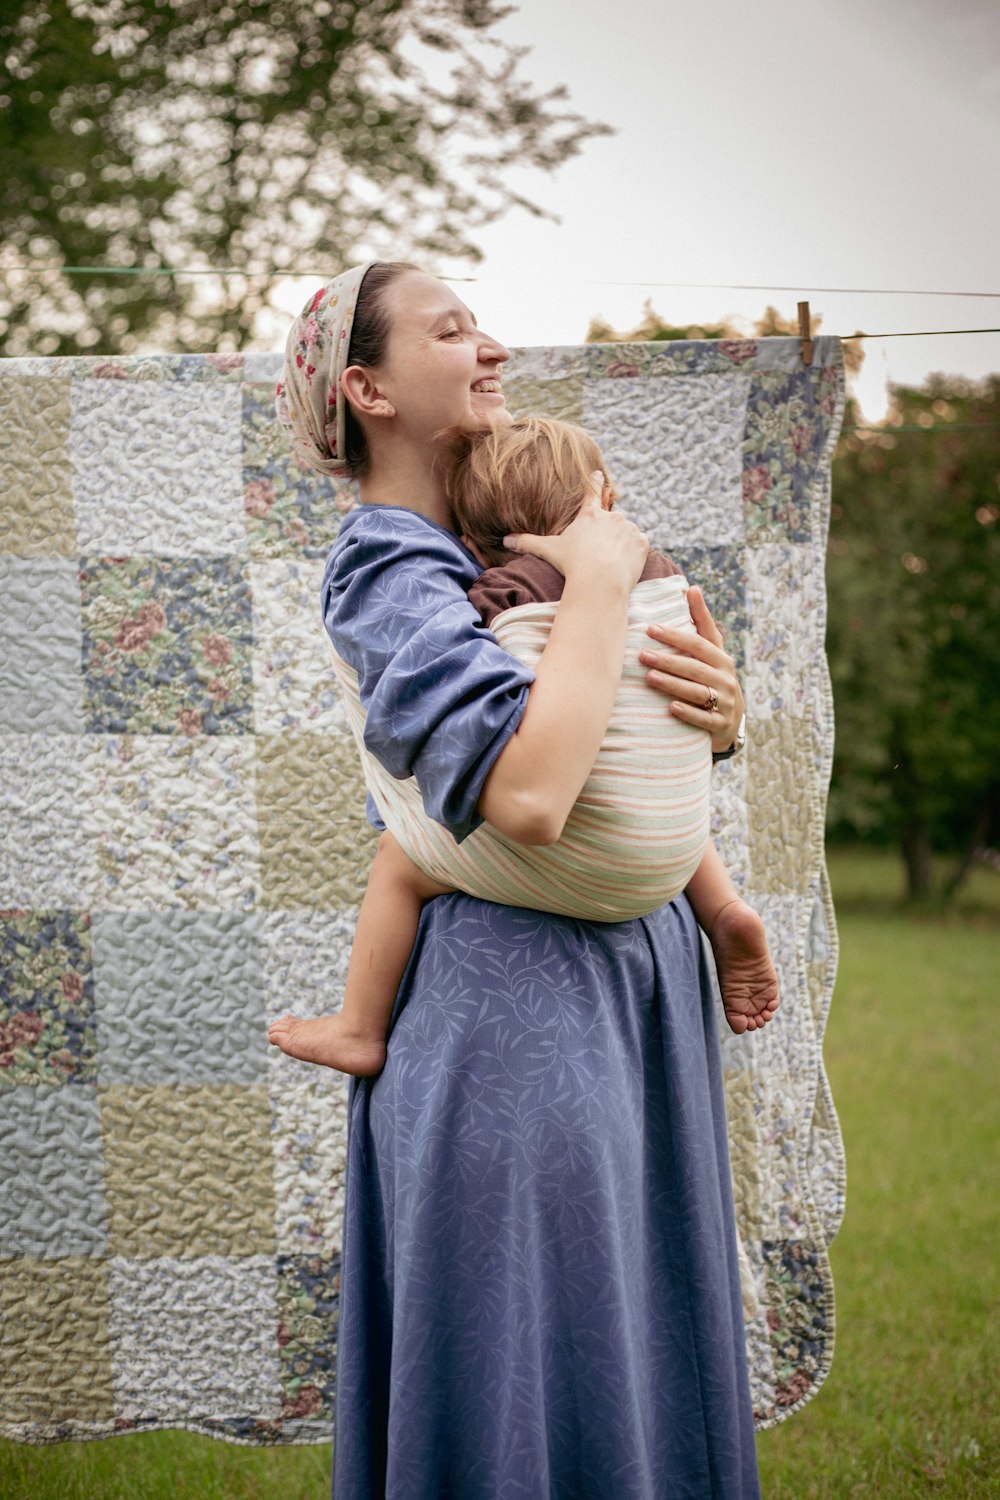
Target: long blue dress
x=540, y=1293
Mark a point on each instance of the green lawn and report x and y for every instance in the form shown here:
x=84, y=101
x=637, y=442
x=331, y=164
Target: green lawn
x=911, y=1408
x=911, y=1405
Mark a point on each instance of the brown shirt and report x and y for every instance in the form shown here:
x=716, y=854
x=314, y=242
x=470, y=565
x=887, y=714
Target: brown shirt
x=532, y=580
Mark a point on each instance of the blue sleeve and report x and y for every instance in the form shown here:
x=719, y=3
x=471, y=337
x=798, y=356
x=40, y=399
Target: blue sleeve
x=442, y=698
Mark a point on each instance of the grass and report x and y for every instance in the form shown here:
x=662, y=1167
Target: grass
x=911, y=1407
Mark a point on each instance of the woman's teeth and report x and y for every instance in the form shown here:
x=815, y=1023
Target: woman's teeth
x=487, y=385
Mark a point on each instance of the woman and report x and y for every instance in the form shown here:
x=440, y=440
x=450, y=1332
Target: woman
x=540, y=1292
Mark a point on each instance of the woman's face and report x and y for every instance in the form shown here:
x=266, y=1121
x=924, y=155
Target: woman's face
x=439, y=371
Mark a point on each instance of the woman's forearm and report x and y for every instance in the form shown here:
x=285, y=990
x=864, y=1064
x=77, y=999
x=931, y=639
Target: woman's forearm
x=538, y=775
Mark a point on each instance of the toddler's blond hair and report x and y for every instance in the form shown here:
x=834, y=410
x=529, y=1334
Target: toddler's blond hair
x=532, y=476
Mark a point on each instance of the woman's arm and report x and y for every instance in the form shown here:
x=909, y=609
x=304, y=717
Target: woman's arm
x=690, y=667
x=538, y=776
x=443, y=699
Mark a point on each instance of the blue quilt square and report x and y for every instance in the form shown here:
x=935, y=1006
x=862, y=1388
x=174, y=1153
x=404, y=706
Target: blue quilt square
x=179, y=997
x=53, y=1198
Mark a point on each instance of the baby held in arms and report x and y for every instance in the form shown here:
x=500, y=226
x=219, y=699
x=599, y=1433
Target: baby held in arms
x=638, y=834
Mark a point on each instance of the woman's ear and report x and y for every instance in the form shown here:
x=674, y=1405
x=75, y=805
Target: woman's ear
x=361, y=391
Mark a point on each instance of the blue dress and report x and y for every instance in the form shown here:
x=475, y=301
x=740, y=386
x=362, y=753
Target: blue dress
x=540, y=1292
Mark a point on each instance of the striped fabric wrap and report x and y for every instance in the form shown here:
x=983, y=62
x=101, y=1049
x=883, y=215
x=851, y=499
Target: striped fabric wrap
x=639, y=827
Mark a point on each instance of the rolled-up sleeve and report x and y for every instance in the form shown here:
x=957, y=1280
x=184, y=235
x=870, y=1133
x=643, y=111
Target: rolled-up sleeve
x=442, y=698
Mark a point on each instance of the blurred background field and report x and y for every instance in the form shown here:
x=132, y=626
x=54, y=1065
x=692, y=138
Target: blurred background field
x=912, y=1406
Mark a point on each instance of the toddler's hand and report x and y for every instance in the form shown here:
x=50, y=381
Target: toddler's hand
x=597, y=541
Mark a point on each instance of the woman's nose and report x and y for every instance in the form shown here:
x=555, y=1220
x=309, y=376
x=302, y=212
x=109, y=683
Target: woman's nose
x=490, y=348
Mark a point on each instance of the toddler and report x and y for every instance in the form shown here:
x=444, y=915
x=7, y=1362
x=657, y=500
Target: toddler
x=531, y=477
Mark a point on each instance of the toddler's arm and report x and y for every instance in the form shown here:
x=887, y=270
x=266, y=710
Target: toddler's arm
x=746, y=974
x=353, y=1041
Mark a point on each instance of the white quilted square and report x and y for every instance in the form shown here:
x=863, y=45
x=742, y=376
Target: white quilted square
x=157, y=468
x=674, y=447
x=45, y=862
x=293, y=680
x=41, y=682
x=194, y=1338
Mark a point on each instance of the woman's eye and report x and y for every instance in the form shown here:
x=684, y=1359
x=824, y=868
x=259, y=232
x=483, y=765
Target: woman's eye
x=451, y=333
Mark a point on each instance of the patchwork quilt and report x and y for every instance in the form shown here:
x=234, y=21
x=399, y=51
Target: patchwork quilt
x=183, y=848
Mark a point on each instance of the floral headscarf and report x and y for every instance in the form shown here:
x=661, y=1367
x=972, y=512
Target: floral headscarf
x=308, y=401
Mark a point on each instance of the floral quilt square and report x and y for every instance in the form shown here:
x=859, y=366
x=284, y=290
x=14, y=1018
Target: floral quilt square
x=728, y=810
x=289, y=511
x=171, y=821
x=309, y=1148
x=785, y=603
x=194, y=1338
x=789, y=418
x=52, y=1202
x=167, y=645
x=47, y=1026
x=179, y=997
x=720, y=573
x=796, y=1275
x=182, y=1170
x=304, y=956
x=41, y=686
x=156, y=468
x=37, y=516
x=672, y=447
x=294, y=683
x=308, y=1310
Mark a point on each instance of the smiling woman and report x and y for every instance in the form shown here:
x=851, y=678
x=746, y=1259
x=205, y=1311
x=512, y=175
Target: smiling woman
x=540, y=1285
x=439, y=372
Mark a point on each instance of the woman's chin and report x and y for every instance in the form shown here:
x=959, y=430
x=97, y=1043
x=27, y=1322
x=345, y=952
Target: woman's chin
x=488, y=410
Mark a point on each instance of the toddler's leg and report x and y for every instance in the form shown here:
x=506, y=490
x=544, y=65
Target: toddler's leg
x=354, y=1039
x=747, y=978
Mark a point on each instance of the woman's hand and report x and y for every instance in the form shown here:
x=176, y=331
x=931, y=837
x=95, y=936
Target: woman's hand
x=693, y=668
x=596, y=542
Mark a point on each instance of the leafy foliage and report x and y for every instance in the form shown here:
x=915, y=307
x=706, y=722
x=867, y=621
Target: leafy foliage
x=914, y=625
x=263, y=135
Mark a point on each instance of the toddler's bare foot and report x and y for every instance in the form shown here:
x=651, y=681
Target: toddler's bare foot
x=328, y=1040
x=746, y=974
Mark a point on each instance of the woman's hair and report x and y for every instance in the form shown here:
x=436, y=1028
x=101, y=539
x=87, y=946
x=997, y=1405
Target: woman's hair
x=369, y=332
x=532, y=476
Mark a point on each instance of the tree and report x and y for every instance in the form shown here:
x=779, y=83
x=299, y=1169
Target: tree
x=263, y=135
x=914, y=627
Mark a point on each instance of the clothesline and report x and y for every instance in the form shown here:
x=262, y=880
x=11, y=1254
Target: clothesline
x=733, y=286
x=705, y=285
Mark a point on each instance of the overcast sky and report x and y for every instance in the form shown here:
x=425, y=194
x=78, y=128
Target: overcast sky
x=826, y=143
x=792, y=143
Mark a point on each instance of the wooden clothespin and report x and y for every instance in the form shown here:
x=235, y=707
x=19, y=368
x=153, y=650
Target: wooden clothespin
x=804, y=333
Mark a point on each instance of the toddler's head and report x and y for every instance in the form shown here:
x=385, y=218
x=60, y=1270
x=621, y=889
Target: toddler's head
x=532, y=476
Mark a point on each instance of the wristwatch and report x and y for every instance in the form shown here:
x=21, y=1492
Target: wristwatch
x=738, y=742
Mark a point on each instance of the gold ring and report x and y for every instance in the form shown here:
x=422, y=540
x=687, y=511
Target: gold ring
x=713, y=701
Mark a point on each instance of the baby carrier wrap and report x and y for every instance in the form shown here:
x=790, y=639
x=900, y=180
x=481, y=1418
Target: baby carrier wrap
x=639, y=827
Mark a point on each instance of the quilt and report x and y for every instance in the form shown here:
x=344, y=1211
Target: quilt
x=183, y=849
